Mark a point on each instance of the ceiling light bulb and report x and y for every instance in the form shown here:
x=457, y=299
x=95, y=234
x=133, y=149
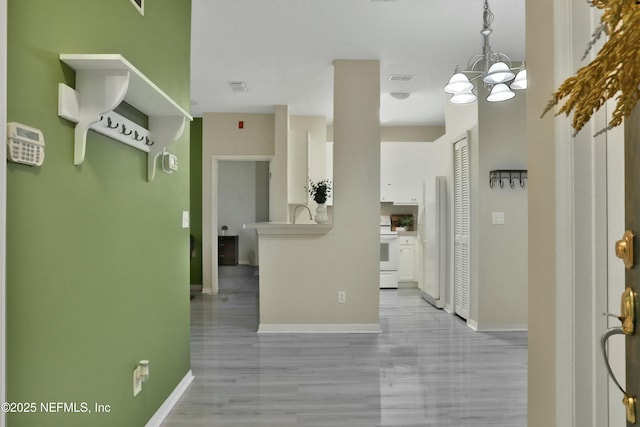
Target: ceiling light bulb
x=520, y=81
x=500, y=92
x=458, y=83
x=466, y=97
x=498, y=73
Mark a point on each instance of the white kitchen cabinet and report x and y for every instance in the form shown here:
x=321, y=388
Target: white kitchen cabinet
x=407, y=261
x=402, y=170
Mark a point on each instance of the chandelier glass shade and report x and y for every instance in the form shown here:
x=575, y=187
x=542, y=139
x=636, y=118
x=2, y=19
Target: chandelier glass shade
x=463, y=97
x=498, y=75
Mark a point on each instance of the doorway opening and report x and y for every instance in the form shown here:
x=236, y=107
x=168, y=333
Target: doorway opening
x=243, y=198
x=241, y=193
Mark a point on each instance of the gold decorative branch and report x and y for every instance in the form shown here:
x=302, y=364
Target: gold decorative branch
x=614, y=72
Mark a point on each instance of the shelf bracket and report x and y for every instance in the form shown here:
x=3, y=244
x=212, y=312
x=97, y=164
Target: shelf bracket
x=97, y=92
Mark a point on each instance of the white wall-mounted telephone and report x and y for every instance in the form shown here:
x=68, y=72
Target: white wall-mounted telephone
x=25, y=144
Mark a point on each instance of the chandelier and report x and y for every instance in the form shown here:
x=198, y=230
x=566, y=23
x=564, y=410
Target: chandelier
x=495, y=69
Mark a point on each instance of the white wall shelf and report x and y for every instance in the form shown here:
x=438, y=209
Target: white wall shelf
x=103, y=81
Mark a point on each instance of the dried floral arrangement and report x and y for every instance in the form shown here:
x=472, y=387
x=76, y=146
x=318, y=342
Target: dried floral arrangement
x=319, y=191
x=614, y=71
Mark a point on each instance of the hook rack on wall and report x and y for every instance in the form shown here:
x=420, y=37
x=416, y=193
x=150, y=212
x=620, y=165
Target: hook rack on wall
x=512, y=177
x=103, y=81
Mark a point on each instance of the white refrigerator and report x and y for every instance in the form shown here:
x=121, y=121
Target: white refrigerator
x=433, y=238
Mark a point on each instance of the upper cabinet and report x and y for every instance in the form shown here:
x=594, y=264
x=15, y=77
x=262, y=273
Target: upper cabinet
x=402, y=171
x=103, y=81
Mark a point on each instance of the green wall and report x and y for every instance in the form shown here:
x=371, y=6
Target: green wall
x=97, y=261
x=196, y=199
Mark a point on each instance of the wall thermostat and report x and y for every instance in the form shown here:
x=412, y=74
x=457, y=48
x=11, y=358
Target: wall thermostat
x=169, y=162
x=25, y=144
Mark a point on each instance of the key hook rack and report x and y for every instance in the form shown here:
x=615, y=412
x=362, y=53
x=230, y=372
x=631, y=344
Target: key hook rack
x=103, y=81
x=512, y=177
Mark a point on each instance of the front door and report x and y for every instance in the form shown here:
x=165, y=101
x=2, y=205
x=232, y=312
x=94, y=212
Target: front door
x=632, y=222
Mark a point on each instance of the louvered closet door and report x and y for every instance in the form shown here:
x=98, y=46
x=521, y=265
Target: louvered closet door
x=462, y=223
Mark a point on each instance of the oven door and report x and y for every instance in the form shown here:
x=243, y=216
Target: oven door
x=388, y=252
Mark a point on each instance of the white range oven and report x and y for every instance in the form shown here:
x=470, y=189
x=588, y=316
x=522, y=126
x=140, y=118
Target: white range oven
x=388, y=254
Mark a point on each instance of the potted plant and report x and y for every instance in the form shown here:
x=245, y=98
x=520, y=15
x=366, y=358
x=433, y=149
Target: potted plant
x=405, y=223
x=319, y=192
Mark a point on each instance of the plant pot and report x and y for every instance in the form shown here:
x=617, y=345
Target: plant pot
x=321, y=216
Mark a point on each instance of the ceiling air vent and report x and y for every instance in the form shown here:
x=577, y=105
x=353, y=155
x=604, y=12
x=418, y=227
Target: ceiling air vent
x=401, y=77
x=238, y=86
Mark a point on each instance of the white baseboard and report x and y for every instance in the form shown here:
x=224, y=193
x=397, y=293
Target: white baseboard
x=207, y=290
x=171, y=401
x=312, y=328
x=437, y=303
x=497, y=327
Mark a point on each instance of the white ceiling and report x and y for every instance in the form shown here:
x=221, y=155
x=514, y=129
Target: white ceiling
x=284, y=49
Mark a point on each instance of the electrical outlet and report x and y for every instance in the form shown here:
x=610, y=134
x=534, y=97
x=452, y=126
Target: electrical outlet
x=342, y=297
x=497, y=218
x=137, y=381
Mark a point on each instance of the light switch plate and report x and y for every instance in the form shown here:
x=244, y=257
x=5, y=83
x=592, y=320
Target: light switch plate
x=185, y=219
x=498, y=218
x=137, y=382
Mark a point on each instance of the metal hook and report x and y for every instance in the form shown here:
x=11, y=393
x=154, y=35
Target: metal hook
x=513, y=180
x=124, y=130
x=493, y=177
x=135, y=136
x=148, y=141
x=109, y=122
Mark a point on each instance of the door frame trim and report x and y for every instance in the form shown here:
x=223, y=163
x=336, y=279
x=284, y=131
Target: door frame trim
x=565, y=215
x=572, y=27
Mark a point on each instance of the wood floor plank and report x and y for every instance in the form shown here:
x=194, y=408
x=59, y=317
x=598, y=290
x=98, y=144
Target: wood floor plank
x=426, y=368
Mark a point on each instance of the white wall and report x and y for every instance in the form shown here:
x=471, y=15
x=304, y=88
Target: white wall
x=317, y=127
x=501, y=249
x=460, y=120
x=498, y=253
x=541, y=156
x=222, y=139
x=300, y=276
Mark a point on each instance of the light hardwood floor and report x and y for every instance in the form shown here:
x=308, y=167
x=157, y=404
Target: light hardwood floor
x=426, y=368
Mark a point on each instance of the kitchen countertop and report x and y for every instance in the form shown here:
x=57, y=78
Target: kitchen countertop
x=266, y=228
